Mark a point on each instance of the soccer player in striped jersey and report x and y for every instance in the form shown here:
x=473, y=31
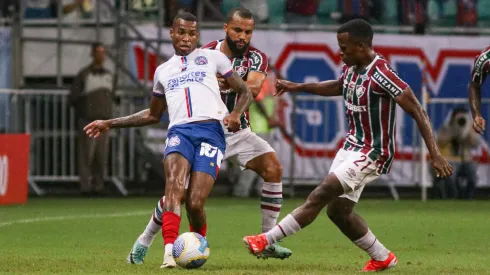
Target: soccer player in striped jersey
x=243, y=147
x=371, y=90
x=480, y=71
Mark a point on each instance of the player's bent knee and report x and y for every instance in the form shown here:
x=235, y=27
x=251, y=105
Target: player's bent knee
x=272, y=171
x=335, y=214
x=194, y=206
x=176, y=183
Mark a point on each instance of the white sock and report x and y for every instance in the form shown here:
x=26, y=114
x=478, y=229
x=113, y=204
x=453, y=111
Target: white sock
x=284, y=228
x=168, y=249
x=270, y=204
x=151, y=230
x=372, y=246
x=154, y=225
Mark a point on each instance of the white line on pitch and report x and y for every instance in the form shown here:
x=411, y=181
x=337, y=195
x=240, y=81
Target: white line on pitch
x=63, y=218
x=95, y=216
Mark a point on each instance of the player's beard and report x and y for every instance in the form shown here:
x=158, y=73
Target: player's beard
x=233, y=47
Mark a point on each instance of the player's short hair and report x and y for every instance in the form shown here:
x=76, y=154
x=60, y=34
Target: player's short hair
x=358, y=29
x=95, y=45
x=241, y=12
x=186, y=16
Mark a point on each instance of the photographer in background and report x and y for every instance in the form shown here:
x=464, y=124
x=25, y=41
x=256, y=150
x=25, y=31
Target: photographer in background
x=455, y=139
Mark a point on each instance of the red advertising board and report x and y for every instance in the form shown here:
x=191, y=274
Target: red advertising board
x=14, y=168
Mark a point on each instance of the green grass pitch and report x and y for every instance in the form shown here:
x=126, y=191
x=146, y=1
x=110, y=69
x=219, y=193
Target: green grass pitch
x=74, y=236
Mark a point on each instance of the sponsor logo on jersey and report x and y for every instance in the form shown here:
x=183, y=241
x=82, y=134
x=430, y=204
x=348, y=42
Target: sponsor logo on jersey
x=386, y=84
x=355, y=108
x=4, y=175
x=201, y=60
x=173, y=141
x=190, y=77
x=184, y=64
x=479, y=63
x=350, y=90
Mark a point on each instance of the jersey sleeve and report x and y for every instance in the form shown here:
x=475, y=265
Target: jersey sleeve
x=388, y=80
x=223, y=64
x=258, y=62
x=481, y=68
x=158, y=89
x=343, y=70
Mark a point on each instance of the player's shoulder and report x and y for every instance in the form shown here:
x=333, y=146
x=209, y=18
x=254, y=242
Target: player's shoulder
x=256, y=55
x=345, y=68
x=486, y=50
x=211, y=45
x=212, y=53
x=485, y=54
x=254, y=51
x=382, y=65
x=166, y=64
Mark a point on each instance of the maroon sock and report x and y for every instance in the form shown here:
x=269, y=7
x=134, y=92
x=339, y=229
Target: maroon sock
x=201, y=232
x=170, y=227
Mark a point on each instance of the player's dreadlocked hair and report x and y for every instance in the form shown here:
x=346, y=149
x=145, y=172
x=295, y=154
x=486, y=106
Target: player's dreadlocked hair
x=358, y=29
x=186, y=16
x=240, y=11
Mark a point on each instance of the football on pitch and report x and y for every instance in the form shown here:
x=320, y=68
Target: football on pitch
x=191, y=250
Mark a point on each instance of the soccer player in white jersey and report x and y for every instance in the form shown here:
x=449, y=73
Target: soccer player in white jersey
x=188, y=86
x=243, y=147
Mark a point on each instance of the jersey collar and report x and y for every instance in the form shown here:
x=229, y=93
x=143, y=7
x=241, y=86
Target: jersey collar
x=179, y=56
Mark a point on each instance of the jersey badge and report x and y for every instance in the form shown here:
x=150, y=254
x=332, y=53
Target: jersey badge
x=360, y=91
x=201, y=60
x=173, y=141
x=240, y=68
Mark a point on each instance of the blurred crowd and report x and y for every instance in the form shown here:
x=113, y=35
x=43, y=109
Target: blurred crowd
x=417, y=13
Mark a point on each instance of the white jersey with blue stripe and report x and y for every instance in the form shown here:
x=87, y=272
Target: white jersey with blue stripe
x=190, y=86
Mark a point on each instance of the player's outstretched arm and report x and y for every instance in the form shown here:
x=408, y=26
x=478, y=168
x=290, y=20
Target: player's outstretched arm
x=158, y=105
x=237, y=84
x=324, y=88
x=475, y=103
x=411, y=105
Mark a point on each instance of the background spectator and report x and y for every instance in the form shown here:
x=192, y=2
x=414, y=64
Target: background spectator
x=43, y=9
x=92, y=96
x=302, y=11
x=414, y=13
x=352, y=9
x=467, y=15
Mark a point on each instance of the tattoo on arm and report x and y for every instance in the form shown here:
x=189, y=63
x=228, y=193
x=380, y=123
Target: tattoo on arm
x=240, y=87
x=146, y=117
x=135, y=120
